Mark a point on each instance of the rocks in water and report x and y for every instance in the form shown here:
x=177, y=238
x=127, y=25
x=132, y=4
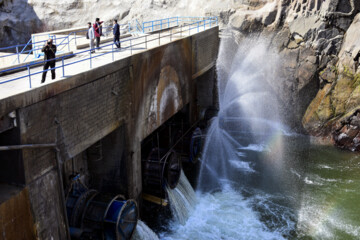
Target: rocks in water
x=348, y=134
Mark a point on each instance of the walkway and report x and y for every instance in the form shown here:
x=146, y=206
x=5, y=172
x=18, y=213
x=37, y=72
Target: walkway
x=83, y=60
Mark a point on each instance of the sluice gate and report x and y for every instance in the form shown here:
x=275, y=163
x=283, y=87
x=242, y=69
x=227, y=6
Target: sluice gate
x=175, y=145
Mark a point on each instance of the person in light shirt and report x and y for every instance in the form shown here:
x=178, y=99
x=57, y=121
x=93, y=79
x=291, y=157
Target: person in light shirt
x=91, y=37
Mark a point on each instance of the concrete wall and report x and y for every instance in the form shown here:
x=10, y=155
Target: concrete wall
x=16, y=220
x=133, y=96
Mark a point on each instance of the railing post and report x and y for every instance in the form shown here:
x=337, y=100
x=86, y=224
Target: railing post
x=90, y=58
x=160, y=24
x=198, y=26
x=152, y=26
x=68, y=42
x=177, y=20
x=33, y=44
x=168, y=22
x=18, y=56
x=75, y=39
x=63, y=66
x=112, y=51
x=29, y=75
x=204, y=24
x=130, y=48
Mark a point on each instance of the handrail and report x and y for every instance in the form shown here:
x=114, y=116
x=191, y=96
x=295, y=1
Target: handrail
x=35, y=44
x=179, y=30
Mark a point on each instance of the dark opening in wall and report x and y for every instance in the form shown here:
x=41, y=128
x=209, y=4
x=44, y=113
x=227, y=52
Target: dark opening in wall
x=106, y=160
x=11, y=164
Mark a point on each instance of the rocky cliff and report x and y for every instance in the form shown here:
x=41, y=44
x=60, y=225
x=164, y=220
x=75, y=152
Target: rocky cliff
x=319, y=84
x=334, y=114
x=318, y=40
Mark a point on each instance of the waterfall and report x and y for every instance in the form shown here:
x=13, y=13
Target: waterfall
x=182, y=199
x=143, y=232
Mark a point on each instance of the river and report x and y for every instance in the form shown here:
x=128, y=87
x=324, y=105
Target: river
x=313, y=194
x=258, y=178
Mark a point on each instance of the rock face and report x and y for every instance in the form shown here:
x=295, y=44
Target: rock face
x=318, y=83
x=309, y=36
x=335, y=111
x=17, y=21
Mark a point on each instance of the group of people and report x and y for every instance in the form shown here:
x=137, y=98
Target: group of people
x=94, y=33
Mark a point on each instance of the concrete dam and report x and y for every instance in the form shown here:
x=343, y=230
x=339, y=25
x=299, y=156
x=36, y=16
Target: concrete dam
x=81, y=155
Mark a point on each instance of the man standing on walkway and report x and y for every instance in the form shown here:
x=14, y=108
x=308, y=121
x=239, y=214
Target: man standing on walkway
x=91, y=37
x=98, y=31
x=49, y=51
x=116, y=32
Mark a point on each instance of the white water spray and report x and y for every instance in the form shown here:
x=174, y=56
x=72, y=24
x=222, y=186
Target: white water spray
x=255, y=185
x=143, y=232
x=248, y=110
x=182, y=199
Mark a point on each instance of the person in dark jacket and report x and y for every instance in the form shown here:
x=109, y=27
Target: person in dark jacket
x=49, y=51
x=98, y=31
x=116, y=32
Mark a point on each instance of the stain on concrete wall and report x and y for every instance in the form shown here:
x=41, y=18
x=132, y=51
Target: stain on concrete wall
x=16, y=221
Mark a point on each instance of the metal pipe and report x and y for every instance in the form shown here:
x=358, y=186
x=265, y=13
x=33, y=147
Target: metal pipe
x=24, y=146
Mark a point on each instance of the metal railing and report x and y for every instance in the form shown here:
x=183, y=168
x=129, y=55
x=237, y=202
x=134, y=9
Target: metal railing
x=36, y=46
x=179, y=31
x=161, y=24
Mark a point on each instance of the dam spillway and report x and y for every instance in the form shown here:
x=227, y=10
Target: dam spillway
x=93, y=123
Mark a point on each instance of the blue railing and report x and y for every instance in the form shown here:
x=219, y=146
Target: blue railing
x=178, y=31
x=36, y=46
